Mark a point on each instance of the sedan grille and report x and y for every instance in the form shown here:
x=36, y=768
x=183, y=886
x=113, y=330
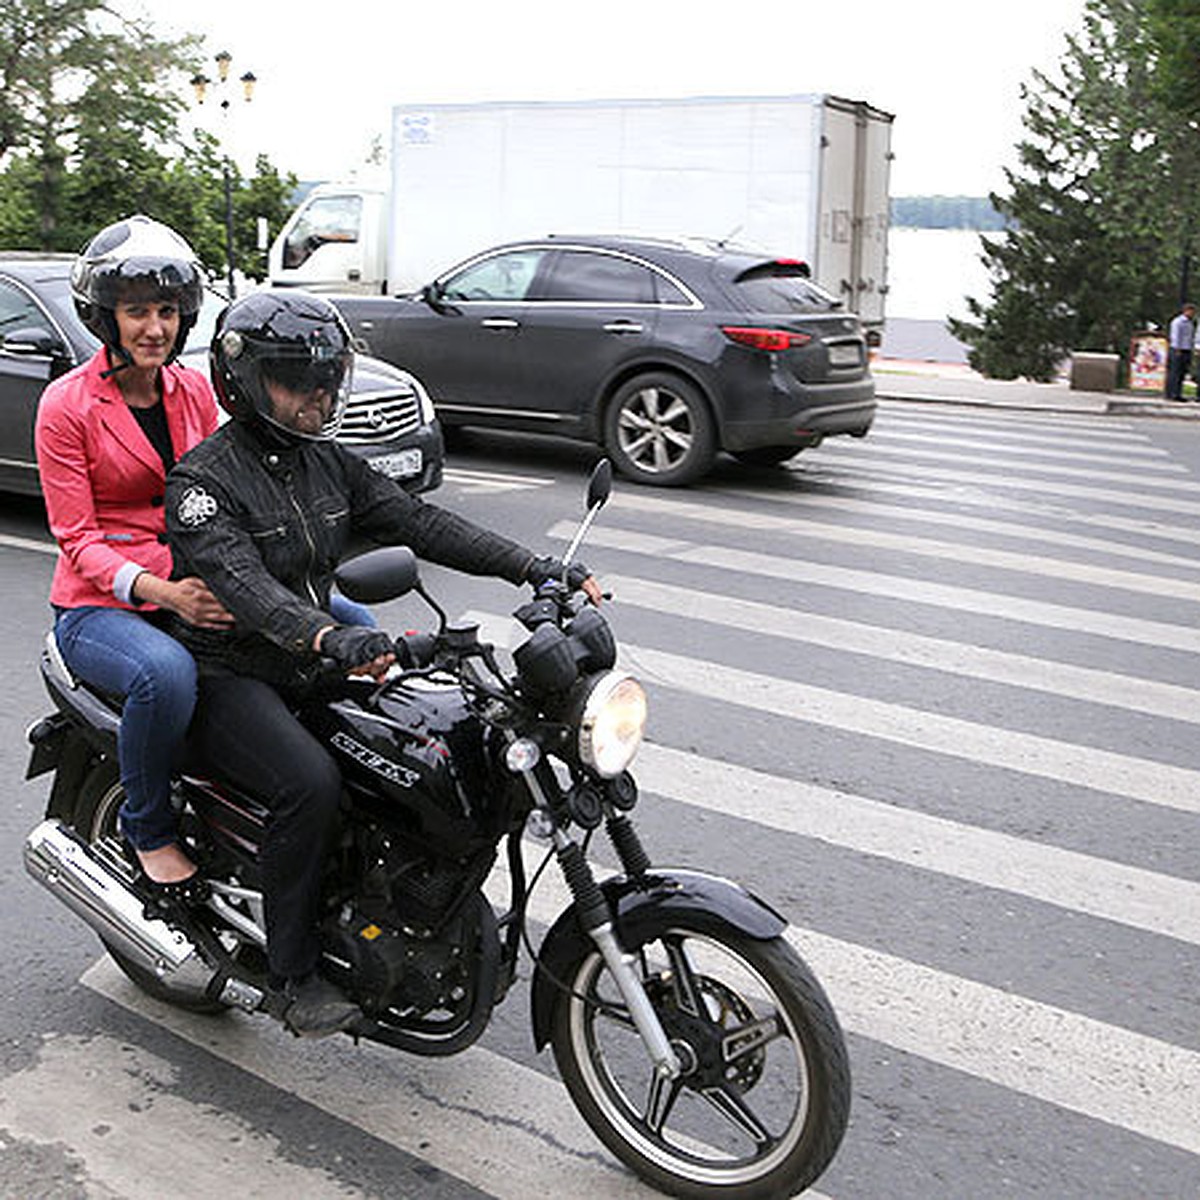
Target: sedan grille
x=379, y=416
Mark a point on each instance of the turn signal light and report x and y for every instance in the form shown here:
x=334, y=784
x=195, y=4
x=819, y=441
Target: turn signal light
x=765, y=339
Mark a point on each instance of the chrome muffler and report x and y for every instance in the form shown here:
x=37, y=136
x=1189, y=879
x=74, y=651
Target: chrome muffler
x=89, y=883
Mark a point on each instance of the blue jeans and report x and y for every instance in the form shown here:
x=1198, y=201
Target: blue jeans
x=121, y=652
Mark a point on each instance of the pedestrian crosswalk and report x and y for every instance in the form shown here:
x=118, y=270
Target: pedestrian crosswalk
x=935, y=695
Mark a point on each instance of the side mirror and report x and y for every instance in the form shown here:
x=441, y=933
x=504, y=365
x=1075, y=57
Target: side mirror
x=432, y=294
x=600, y=484
x=33, y=342
x=378, y=575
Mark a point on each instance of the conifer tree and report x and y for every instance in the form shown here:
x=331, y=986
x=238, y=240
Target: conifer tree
x=1101, y=207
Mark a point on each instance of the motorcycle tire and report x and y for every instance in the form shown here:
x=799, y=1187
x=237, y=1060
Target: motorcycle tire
x=100, y=798
x=764, y=1098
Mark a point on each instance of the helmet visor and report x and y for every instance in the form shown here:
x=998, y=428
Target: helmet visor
x=149, y=279
x=301, y=390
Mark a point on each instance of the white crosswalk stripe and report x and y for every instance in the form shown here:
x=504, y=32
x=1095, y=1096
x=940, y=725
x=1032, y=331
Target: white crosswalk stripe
x=485, y=482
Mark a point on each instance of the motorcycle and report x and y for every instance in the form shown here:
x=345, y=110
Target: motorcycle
x=694, y=1041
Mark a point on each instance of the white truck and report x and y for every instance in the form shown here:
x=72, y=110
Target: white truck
x=804, y=176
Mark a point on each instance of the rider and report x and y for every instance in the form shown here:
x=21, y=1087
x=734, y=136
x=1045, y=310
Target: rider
x=106, y=435
x=263, y=511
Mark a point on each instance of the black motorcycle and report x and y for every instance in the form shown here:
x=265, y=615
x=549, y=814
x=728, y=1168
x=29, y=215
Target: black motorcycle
x=694, y=1041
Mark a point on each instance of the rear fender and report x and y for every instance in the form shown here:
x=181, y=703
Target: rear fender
x=642, y=908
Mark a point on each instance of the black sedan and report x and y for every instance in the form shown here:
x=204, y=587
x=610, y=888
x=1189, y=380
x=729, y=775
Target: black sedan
x=662, y=350
x=389, y=420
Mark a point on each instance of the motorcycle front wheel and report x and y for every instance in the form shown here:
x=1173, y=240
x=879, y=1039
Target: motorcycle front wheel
x=762, y=1102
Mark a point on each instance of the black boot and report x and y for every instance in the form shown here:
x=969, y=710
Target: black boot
x=317, y=1008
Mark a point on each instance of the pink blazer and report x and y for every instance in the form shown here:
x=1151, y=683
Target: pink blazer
x=103, y=481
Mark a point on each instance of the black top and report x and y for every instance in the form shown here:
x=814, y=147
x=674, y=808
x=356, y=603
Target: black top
x=153, y=421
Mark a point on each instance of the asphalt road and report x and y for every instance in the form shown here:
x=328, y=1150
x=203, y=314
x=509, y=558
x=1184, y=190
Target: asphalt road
x=934, y=694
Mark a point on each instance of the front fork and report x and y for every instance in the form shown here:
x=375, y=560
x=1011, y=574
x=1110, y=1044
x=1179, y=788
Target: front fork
x=595, y=919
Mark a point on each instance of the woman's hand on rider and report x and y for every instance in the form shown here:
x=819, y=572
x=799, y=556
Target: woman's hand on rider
x=190, y=598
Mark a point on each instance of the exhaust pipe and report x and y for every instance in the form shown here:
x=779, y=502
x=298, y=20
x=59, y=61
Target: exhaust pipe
x=77, y=875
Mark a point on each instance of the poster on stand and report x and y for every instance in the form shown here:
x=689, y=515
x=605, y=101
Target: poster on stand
x=1148, y=362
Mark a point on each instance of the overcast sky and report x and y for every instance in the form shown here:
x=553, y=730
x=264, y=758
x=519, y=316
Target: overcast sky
x=329, y=73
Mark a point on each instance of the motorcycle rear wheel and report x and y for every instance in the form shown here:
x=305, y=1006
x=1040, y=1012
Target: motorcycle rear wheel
x=95, y=819
x=764, y=1099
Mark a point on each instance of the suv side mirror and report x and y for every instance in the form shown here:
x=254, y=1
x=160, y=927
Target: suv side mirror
x=34, y=342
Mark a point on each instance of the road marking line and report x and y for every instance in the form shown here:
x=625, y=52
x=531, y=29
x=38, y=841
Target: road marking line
x=957, y=552
x=807, y=501
x=494, y=1123
x=960, y=496
x=1093, y=686
x=1155, y=459
x=1102, y=1071
x=21, y=543
x=995, y=605
x=114, y=1105
x=1112, y=891
x=979, y=478
x=1103, y=771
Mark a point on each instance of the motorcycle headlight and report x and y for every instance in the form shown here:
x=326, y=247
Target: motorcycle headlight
x=612, y=723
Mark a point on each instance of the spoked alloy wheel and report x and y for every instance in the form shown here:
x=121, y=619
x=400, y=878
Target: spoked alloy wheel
x=762, y=1103
x=659, y=430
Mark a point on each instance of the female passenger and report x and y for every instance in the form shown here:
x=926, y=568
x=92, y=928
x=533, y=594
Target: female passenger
x=106, y=435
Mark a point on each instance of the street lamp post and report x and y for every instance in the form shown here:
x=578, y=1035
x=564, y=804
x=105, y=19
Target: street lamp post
x=200, y=83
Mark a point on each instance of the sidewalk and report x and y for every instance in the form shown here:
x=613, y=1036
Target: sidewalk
x=954, y=383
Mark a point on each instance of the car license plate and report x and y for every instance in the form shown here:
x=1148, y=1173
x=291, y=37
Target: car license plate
x=403, y=464
x=843, y=356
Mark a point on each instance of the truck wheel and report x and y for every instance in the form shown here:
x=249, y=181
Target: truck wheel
x=659, y=431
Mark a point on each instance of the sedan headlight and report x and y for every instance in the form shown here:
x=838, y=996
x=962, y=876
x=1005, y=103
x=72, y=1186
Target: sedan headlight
x=612, y=723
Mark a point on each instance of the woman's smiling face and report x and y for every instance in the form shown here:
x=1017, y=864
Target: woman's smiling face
x=148, y=329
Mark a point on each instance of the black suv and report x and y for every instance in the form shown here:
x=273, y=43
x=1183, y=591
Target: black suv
x=663, y=350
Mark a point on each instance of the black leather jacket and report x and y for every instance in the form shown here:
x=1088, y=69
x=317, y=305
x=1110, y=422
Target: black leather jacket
x=264, y=524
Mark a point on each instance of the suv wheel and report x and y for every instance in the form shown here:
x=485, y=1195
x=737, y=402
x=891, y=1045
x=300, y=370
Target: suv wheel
x=658, y=430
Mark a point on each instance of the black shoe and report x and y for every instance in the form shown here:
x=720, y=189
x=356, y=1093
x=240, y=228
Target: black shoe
x=317, y=1008
x=190, y=892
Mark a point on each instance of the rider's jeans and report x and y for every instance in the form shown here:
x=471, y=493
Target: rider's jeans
x=122, y=652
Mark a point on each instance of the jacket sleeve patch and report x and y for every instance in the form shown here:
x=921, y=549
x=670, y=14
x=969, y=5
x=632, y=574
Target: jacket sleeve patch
x=195, y=506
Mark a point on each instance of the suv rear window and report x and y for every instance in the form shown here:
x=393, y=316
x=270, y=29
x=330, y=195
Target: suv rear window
x=775, y=287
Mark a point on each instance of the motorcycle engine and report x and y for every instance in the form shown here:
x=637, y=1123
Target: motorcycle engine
x=403, y=947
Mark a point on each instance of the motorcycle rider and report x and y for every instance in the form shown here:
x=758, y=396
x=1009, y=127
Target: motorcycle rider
x=262, y=512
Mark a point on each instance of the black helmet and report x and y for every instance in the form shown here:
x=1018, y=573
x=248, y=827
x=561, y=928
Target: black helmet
x=293, y=339
x=139, y=258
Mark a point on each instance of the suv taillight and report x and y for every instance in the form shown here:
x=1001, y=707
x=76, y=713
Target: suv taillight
x=765, y=339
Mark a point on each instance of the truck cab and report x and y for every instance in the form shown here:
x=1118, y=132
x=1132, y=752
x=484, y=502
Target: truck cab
x=336, y=240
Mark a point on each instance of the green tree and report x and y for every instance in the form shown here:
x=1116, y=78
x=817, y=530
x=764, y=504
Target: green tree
x=1175, y=28
x=1104, y=197
x=90, y=108
x=70, y=69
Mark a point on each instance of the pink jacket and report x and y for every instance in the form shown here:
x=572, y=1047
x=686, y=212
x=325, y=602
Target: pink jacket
x=103, y=481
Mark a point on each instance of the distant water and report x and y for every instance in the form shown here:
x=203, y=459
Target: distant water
x=931, y=270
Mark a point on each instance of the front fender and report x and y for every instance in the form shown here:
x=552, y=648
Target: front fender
x=643, y=908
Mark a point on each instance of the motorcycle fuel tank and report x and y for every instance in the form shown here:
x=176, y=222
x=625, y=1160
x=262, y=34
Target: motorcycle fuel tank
x=415, y=753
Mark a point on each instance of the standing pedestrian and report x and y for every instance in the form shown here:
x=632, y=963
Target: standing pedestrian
x=1181, y=341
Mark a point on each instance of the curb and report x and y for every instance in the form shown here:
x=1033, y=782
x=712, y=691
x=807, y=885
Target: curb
x=1099, y=406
